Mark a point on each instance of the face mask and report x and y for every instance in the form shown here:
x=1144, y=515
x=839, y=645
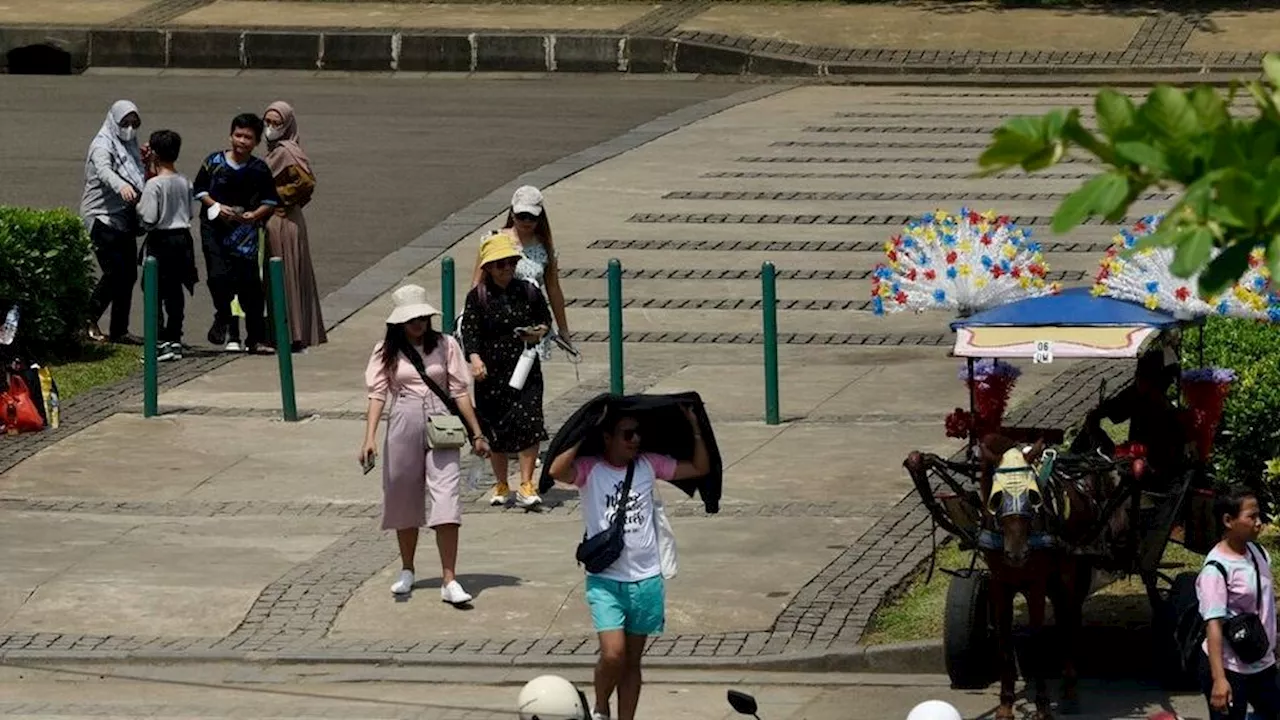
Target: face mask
x=272, y=133
x=128, y=133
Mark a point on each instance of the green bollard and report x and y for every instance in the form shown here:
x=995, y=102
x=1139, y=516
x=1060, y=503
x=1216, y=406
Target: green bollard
x=150, y=337
x=769, y=281
x=615, y=327
x=284, y=341
x=446, y=295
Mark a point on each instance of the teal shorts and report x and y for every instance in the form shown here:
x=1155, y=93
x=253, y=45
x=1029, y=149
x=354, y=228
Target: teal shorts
x=636, y=608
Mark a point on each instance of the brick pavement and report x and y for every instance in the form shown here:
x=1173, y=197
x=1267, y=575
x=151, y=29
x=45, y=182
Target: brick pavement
x=661, y=40
x=292, y=616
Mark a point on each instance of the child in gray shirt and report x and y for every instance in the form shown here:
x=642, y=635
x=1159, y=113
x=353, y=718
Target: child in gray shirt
x=164, y=212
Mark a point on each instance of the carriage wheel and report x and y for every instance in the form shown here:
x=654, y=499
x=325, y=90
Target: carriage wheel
x=968, y=638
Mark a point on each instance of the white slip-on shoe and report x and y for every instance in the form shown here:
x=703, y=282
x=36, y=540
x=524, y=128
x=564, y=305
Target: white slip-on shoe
x=454, y=594
x=404, y=585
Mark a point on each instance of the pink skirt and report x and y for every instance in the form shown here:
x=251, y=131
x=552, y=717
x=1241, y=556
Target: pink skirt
x=410, y=471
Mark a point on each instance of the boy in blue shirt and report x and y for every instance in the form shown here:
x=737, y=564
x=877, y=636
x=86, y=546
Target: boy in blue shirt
x=238, y=194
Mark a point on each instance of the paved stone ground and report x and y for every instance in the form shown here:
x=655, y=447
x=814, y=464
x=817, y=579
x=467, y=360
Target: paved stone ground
x=196, y=691
x=833, y=395
x=690, y=36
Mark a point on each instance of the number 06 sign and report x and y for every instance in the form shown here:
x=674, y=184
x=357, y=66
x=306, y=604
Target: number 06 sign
x=1044, y=352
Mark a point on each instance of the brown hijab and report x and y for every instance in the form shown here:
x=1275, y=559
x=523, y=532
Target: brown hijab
x=286, y=150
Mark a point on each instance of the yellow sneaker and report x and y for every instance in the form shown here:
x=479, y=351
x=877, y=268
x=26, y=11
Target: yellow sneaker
x=500, y=493
x=527, y=496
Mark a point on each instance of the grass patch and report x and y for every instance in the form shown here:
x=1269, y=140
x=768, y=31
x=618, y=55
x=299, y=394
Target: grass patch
x=94, y=365
x=917, y=613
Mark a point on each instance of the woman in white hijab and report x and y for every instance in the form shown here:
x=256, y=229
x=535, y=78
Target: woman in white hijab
x=114, y=173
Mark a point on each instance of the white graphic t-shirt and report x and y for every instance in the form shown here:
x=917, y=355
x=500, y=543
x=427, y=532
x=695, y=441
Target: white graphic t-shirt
x=599, y=485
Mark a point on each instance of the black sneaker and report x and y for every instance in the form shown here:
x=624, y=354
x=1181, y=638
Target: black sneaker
x=168, y=351
x=217, y=334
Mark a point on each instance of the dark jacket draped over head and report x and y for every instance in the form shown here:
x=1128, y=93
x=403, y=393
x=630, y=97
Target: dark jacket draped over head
x=663, y=429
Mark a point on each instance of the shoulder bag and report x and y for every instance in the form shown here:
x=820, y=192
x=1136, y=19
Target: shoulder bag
x=598, y=552
x=443, y=432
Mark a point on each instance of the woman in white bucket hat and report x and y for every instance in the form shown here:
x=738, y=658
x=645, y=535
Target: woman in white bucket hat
x=425, y=373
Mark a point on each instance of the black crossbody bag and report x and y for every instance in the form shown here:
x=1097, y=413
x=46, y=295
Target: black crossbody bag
x=598, y=552
x=1244, y=633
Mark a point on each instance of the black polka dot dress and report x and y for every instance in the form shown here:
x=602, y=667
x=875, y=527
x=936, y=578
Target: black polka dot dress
x=512, y=419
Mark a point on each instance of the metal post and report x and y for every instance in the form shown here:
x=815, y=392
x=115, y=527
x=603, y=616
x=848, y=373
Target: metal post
x=769, y=306
x=150, y=337
x=615, y=327
x=446, y=295
x=284, y=340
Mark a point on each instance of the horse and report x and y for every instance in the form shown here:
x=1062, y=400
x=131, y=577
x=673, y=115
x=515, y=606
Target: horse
x=1024, y=556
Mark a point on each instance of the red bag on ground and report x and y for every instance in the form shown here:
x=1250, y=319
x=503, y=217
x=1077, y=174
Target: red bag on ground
x=17, y=410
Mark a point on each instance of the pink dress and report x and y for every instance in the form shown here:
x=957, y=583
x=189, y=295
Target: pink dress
x=409, y=470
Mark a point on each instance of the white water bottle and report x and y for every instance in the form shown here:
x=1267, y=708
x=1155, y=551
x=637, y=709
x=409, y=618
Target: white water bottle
x=521, y=373
x=476, y=473
x=9, y=330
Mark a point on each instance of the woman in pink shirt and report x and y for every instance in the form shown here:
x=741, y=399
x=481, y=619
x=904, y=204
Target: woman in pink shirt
x=409, y=470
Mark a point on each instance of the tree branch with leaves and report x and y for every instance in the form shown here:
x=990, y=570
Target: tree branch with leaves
x=1227, y=167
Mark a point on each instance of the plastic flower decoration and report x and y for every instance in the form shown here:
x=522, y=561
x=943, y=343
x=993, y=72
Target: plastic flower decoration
x=965, y=262
x=1145, y=278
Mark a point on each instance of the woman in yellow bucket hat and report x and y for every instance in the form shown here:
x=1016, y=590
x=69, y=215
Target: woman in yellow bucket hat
x=504, y=318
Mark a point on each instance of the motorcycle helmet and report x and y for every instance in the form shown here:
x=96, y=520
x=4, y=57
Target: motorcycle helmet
x=551, y=697
x=934, y=710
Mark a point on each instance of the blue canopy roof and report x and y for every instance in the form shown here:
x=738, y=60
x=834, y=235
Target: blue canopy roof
x=1073, y=307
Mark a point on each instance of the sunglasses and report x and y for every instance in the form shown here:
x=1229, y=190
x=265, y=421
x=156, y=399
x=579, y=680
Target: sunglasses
x=526, y=217
x=629, y=434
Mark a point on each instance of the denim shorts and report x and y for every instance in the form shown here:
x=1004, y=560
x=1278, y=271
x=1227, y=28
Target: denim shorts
x=636, y=608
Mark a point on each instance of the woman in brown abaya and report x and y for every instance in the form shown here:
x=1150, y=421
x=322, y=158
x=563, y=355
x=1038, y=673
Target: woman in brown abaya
x=287, y=228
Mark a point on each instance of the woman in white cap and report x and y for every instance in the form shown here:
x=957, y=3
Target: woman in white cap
x=528, y=225
x=426, y=374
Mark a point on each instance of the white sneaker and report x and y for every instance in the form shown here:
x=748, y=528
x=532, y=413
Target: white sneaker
x=454, y=594
x=404, y=585
x=167, y=351
x=527, y=501
x=234, y=346
x=598, y=716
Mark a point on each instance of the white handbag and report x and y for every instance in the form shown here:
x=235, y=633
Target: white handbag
x=666, y=538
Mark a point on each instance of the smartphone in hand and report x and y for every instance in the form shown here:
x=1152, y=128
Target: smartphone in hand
x=369, y=461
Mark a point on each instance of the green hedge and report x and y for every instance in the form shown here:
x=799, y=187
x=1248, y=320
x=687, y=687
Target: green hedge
x=45, y=268
x=1252, y=415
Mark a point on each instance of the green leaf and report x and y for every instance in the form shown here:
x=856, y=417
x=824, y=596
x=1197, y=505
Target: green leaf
x=1165, y=236
x=1271, y=66
x=1115, y=111
x=1101, y=195
x=1014, y=141
x=1273, y=255
x=1224, y=270
x=1168, y=112
x=1209, y=107
x=1143, y=155
x=1237, y=195
x=1044, y=158
x=1194, y=246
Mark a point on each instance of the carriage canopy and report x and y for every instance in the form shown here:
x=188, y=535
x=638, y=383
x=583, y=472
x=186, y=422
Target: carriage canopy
x=1070, y=324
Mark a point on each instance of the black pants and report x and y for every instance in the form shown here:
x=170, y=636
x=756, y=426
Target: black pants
x=231, y=276
x=1261, y=690
x=172, y=251
x=117, y=253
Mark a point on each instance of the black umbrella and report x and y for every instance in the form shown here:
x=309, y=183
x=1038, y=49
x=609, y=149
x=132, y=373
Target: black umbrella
x=663, y=429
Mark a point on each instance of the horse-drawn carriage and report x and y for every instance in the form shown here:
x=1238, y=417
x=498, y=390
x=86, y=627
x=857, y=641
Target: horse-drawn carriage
x=1096, y=513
